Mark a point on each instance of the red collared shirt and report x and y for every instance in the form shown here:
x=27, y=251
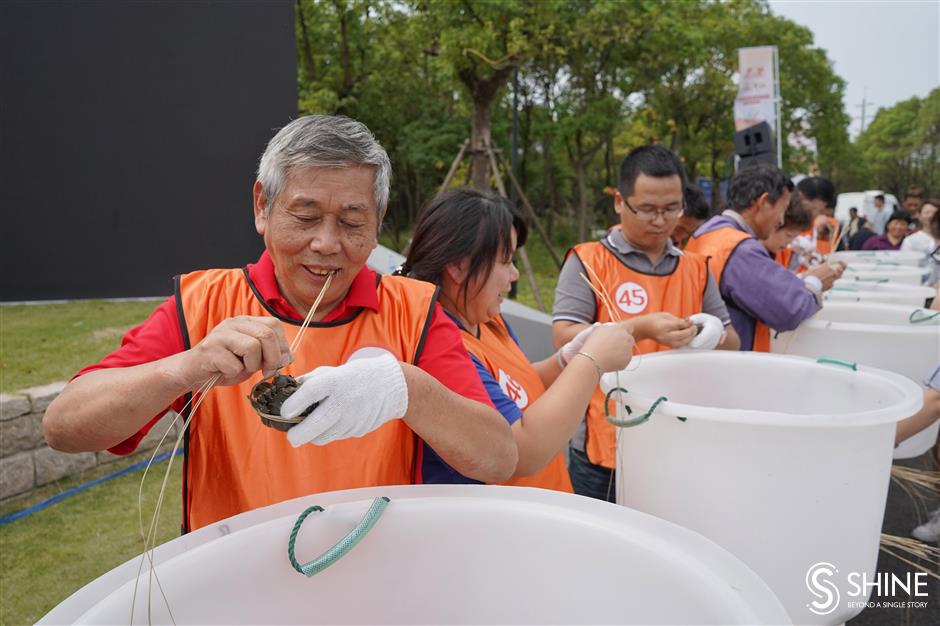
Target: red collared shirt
x=159, y=336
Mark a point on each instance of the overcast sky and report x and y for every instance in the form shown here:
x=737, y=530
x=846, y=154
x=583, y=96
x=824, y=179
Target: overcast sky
x=887, y=50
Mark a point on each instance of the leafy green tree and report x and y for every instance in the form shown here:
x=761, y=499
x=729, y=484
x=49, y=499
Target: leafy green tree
x=901, y=146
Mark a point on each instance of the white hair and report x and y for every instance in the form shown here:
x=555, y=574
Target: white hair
x=325, y=141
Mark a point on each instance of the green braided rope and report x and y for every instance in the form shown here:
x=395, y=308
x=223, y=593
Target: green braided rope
x=344, y=545
x=636, y=421
x=828, y=359
x=921, y=320
x=852, y=289
x=871, y=280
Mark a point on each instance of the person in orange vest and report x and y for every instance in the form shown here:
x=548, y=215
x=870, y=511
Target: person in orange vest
x=818, y=196
x=795, y=220
x=654, y=288
x=319, y=198
x=758, y=290
x=464, y=242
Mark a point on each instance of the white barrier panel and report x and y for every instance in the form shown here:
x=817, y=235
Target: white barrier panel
x=884, y=257
x=886, y=293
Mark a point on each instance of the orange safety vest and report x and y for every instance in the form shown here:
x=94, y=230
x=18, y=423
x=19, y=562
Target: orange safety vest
x=823, y=246
x=233, y=462
x=634, y=293
x=517, y=378
x=718, y=245
x=783, y=257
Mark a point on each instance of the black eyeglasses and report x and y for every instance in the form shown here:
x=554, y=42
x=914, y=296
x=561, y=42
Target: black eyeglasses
x=648, y=215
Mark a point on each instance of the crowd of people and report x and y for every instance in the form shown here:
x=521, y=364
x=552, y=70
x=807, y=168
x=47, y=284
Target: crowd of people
x=417, y=377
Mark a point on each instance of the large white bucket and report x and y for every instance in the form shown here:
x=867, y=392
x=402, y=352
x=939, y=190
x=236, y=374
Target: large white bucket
x=887, y=293
x=879, y=335
x=904, y=274
x=782, y=460
x=440, y=555
x=884, y=257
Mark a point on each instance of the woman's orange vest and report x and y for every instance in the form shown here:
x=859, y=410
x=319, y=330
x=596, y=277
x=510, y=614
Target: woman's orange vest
x=234, y=463
x=517, y=378
x=718, y=245
x=634, y=293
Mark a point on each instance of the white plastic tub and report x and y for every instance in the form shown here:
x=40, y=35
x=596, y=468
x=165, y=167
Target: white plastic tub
x=883, y=257
x=879, y=335
x=904, y=274
x=441, y=555
x=886, y=293
x=782, y=460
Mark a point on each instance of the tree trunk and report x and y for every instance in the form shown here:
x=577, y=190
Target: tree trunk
x=480, y=138
x=581, y=177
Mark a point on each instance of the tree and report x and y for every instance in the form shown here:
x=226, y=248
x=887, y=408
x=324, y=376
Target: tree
x=901, y=146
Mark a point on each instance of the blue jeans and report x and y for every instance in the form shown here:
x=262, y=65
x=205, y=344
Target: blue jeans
x=593, y=481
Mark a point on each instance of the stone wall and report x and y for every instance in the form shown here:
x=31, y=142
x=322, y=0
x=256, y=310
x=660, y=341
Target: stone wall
x=26, y=462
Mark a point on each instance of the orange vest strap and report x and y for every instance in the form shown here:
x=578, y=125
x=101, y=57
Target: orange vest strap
x=520, y=382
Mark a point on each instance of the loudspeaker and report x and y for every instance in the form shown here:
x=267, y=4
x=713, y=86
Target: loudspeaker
x=755, y=144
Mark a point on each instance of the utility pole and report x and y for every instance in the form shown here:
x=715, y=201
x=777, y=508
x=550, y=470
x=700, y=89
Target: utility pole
x=864, y=103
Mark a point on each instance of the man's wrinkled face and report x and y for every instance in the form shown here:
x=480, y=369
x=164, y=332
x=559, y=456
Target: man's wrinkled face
x=769, y=215
x=324, y=221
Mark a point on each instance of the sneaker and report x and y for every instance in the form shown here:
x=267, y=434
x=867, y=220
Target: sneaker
x=929, y=531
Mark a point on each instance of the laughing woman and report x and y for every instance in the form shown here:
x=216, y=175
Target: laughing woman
x=464, y=242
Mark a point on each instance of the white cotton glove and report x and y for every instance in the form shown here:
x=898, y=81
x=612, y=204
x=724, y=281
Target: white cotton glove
x=712, y=332
x=355, y=399
x=567, y=351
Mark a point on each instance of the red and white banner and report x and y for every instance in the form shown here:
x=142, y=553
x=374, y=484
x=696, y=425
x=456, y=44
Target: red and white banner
x=757, y=87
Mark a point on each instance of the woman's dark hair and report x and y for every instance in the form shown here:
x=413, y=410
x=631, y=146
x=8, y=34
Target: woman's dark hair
x=934, y=225
x=796, y=215
x=818, y=188
x=463, y=224
x=696, y=205
x=900, y=216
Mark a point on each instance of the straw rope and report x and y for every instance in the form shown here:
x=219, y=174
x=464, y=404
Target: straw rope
x=149, y=537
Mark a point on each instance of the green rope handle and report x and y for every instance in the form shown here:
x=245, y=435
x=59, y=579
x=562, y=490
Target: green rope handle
x=872, y=280
x=636, y=421
x=921, y=320
x=828, y=359
x=852, y=289
x=344, y=545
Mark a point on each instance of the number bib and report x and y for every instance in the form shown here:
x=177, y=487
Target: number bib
x=631, y=298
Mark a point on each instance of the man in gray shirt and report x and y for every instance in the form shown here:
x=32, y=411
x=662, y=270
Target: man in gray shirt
x=652, y=286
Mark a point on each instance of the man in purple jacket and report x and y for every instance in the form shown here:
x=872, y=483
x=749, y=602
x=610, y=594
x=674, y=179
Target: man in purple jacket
x=756, y=289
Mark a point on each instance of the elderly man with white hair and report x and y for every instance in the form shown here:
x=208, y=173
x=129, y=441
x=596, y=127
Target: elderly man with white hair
x=319, y=199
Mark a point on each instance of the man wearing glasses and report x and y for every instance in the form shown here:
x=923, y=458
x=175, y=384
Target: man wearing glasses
x=653, y=288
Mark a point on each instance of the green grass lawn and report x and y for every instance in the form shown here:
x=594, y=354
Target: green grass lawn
x=47, y=556
x=45, y=343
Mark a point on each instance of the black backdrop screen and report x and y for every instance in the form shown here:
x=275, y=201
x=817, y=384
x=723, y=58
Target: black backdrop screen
x=129, y=136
